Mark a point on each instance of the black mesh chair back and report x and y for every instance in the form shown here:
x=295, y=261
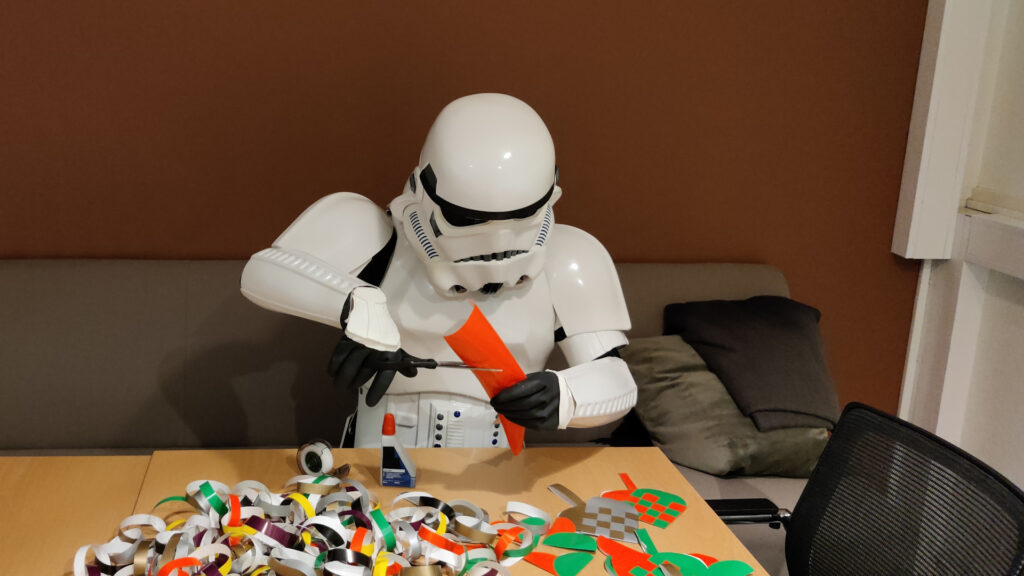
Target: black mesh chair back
x=890, y=498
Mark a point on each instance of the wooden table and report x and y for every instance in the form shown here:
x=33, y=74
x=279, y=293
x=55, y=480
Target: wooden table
x=488, y=477
x=55, y=504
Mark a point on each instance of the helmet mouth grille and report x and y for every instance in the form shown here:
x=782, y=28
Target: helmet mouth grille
x=492, y=256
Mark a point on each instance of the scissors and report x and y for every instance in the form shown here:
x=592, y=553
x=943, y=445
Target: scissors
x=430, y=364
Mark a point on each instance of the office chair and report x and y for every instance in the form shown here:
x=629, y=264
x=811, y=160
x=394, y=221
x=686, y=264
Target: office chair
x=889, y=498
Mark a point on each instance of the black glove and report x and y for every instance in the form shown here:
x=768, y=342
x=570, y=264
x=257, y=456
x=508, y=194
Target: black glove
x=352, y=364
x=532, y=402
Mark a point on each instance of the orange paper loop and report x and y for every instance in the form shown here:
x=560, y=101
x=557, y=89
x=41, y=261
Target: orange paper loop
x=428, y=535
x=236, y=512
x=357, y=539
x=505, y=539
x=179, y=563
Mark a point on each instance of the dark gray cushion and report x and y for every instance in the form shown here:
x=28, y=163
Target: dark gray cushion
x=691, y=417
x=767, y=350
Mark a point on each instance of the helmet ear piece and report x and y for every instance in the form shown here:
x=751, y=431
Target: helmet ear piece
x=556, y=193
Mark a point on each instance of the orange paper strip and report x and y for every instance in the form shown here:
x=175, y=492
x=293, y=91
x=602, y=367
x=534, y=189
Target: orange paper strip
x=477, y=344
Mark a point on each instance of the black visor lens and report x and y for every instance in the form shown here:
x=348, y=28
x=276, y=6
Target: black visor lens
x=460, y=219
x=459, y=216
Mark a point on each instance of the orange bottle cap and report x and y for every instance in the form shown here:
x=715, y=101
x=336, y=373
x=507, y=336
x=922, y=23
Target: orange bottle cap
x=388, y=429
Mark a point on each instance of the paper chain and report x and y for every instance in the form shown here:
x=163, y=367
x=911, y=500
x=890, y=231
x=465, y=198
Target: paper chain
x=326, y=526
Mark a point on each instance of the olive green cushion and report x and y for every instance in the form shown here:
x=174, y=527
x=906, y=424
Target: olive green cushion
x=693, y=419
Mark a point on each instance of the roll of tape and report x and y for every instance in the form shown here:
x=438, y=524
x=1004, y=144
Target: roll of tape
x=314, y=458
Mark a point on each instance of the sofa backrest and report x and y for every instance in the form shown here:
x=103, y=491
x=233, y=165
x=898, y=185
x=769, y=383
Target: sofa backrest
x=140, y=354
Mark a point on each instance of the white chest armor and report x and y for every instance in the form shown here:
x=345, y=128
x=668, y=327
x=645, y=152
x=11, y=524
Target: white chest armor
x=446, y=406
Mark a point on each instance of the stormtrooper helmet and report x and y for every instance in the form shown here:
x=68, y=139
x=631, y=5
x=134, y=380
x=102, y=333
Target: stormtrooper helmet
x=477, y=208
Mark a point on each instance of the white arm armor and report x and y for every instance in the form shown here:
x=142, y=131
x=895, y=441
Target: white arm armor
x=310, y=270
x=588, y=301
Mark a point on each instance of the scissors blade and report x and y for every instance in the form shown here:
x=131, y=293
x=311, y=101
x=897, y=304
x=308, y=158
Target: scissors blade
x=454, y=364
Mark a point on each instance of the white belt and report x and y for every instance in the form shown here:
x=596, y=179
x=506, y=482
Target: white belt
x=431, y=420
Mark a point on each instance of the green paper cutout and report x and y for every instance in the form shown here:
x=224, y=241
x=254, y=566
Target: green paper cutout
x=572, y=563
x=688, y=565
x=692, y=566
x=533, y=521
x=731, y=568
x=663, y=496
x=572, y=541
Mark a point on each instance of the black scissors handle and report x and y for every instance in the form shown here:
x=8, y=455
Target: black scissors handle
x=401, y=361
x=407, y=361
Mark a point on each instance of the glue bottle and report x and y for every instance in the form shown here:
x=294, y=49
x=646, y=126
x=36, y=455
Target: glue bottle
x=396, y=469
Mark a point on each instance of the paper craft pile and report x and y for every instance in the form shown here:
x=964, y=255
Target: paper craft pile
x=325, y=525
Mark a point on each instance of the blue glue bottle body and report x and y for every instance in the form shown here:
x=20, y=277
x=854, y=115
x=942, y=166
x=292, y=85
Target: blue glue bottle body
x=396, y=468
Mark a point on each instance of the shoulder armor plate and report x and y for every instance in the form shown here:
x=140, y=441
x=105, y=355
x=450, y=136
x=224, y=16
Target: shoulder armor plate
x=584, y=284
x=343, y=229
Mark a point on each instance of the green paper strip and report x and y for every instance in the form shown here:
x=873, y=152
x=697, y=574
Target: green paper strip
x=519, y=552
x=172, y=499
x=469, y=565
x=472, y=562
x=385, y=528
x=213, y=498
x=646, y=544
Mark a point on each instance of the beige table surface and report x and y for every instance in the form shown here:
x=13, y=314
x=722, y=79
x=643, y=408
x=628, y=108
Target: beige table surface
x=53, y=505
x=488, y=477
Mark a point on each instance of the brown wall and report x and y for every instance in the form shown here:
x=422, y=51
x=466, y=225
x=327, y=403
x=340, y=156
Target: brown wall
x=757, y=131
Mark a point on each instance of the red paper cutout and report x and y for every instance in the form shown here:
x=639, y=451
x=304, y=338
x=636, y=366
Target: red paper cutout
x=624, y=558
x=654, y=506
x=477, y=344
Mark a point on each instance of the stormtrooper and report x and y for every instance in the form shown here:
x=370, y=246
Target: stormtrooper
x=474, y=224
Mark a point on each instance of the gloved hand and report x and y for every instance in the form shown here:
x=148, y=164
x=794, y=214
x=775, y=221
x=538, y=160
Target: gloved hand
x=532, y=402
x=352, y=365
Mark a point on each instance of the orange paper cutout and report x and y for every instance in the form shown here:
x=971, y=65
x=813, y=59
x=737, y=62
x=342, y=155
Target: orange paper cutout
x=542, y=560
x=561, y=524
x=477, y=344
